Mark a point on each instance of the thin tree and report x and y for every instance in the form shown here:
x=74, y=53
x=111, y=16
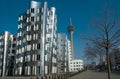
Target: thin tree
x=108, y=35
x=93, y=52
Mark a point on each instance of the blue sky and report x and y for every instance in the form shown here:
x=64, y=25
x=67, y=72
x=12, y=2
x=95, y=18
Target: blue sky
x=81, y=12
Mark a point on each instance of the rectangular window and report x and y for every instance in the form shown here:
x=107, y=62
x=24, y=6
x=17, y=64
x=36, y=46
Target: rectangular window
x=27, y=37
x=20, y=70
x=32, y=27
x=31, y=69
x=22, y=49
x=28, y=70
x=33, y=57
x=38, y=10
x=28, y=58
x=38, y=18
x=28, y=47
x=32, y=18
x=38, y=46
x=38, y=69
x=32, y=10
x=36, y=36
x=37, y=27
x=27, y=19
x=38, y=57
x=29, y=28
x=33, y=47
x=30, y=37
x=21, y=18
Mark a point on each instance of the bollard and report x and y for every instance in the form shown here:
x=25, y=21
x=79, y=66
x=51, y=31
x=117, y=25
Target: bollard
x=37, y=77
x=41, y=77
x=58, y=77
x=53, y=76
x=50, y=76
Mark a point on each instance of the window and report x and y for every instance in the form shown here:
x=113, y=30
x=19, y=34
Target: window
x=21, y=59
x=38, y=18
x=38, y=57
x=32, y=10
x=38, y=46
x=32, y=27
x=36, y=36
x=22, y=49
x=33, y=46
x=19, y=50
x=28, y=47
x=30, y=37
x=33, y=57
x=21, y=18
x=20, y=70
x=28, y=70
x=37, y=27
x=40, y=10
x=32, y=18
x=27, y=19
x=49, y=39
x=28, y=57
x=38, y=69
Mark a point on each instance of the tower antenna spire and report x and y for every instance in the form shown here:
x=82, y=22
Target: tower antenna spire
x=70, y=21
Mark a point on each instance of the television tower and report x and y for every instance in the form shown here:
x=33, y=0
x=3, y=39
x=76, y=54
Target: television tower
x=71, y=30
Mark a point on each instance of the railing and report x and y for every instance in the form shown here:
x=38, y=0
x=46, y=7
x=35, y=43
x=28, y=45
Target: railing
x=51, y=76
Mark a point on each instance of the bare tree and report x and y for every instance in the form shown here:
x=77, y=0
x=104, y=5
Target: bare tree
x=108, y=35
x=93, y=52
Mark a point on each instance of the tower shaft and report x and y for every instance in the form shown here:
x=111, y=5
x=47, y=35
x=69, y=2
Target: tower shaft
x=71, y=41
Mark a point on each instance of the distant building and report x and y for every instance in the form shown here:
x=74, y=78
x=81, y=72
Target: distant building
x=7, y=52
x=112, y=60
x=36, y=41
x=93, y=65
x=69, y=55
x=74, y=64
x=62, y=52
x=115, y=58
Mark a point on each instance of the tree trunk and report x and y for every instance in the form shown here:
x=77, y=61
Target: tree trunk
x=108, y=63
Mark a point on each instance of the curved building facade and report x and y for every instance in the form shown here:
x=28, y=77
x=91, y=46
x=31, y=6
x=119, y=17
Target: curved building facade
x=36, y=44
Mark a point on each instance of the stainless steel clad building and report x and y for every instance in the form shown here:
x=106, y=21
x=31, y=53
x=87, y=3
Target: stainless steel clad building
x=6, y=54
x=62, y=52
x=36, y=40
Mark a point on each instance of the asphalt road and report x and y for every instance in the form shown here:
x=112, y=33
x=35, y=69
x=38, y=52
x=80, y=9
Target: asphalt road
x=95, y=75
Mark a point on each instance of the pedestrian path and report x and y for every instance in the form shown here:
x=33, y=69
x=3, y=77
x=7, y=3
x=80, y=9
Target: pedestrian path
x=94, y=75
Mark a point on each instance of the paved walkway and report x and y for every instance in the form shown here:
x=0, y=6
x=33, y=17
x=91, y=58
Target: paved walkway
x=94, y=75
